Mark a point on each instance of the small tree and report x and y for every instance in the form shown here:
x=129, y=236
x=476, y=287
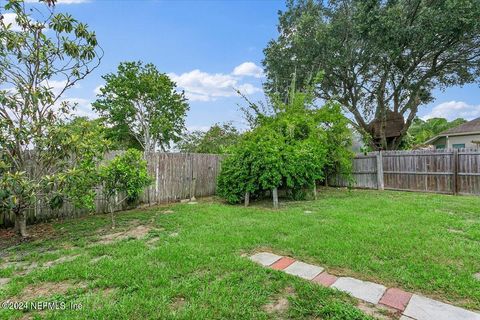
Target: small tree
x=140, y=101
x=124, y=179
x=41, y=158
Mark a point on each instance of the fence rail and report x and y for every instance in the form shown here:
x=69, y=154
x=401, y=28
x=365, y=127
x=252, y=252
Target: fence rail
x=176, y=176
x=454, y=171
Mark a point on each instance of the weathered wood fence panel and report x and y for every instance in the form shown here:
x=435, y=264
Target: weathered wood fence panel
x=438, y=171
x=468, y=172
x=175, y=176
x=364, y=171
x=426, y=171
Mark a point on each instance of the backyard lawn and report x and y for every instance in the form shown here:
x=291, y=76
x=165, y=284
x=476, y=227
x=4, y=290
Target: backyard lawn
x=188, y=261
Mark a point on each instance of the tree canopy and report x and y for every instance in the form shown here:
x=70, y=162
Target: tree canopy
x=380, y=59
x=39, y=155
x=423, y=130
x=140, y=102
x=215, y=140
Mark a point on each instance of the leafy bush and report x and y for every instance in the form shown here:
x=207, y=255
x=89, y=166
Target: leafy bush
x=124, y=178
x=291, y=149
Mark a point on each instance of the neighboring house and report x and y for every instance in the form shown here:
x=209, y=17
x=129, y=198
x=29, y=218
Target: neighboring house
x=466, y=135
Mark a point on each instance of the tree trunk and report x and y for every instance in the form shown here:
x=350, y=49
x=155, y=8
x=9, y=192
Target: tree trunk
x=112, y=215
x=275, y=198
x=21, y=224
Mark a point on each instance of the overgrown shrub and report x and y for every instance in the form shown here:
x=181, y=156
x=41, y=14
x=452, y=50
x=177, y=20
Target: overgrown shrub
x=291, y=149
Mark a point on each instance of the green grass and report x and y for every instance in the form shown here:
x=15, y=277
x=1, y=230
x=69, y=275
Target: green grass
x=423, y=243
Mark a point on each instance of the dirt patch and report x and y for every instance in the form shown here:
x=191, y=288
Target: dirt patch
x=381, y=313
x=455, y=231
x=174, y=234
x=40, y=231
x=4, y=281
x=135, y=233
x=21, y=267
x=96, y=259
x=280, y=303
x=477, y=276
x=152, y=243
x=49, y=264
x=105, y=292
x=178, y=303
x=47, y=289
x=168, y=211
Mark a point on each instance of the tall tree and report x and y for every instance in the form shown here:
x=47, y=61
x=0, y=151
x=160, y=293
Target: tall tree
x=423, y=130
x=216, y=140
x=39, y=156
x=140, y=101
x=380, y=59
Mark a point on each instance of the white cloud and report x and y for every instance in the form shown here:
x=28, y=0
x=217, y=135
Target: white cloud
x=55, y=85
x=9, y=18
x=248, y=69
x=97, y=90
x=83, y=107
x=454, y=109
x=203, y=86
x=58, y=85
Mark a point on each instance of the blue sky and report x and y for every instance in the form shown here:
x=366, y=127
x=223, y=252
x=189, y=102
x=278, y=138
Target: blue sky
x=206, y=47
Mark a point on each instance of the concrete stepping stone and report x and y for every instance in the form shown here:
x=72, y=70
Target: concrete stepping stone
x=422, y=308
x=396, y=298
x=282, y=263
x=265, y=258
x=303, y=270
x=325, y=279
x=367, y=291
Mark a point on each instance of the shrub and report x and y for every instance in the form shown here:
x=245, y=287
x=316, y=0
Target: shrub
x=291, y=149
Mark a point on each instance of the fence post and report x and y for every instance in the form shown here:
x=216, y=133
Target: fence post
x=275, y=198
x=247, y=198
x=193, y=180
x=455, y=171
x=380, y=184
x=314, y=190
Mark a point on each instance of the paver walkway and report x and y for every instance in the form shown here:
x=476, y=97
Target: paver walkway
x=411, y=306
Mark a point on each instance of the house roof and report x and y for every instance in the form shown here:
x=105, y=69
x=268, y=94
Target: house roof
x=467, y=127
x=470, y=127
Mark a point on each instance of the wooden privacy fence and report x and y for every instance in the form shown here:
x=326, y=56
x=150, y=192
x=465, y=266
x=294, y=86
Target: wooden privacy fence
x=176, y=176
x=447, y=171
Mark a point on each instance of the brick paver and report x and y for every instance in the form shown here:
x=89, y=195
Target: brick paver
x=396, y=298
x=303, y=270
x=325, y=279
x=282, y=263
x=422, y=308
x=414, y=307
x=265, y=258
x=367, y=291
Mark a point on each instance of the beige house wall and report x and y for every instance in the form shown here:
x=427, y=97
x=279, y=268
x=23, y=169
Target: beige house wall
x=467, y=140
